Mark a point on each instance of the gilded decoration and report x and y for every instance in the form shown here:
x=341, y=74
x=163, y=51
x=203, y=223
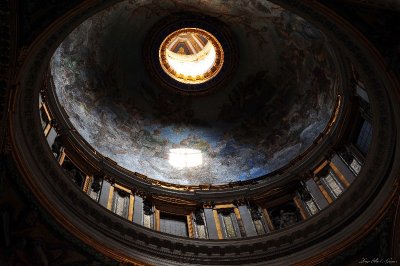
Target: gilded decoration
x=191, y=47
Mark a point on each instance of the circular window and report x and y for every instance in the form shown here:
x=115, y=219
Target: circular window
x=191, y=55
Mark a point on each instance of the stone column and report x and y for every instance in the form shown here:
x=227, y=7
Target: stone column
x=316, y=193
x=343, y=169
x=247, y=220
x=211, y=226
x=138, y=210
x=105, y=191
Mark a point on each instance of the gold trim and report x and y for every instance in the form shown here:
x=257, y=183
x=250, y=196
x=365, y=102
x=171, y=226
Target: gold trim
x=46, y=110
x=122, y=188
x=62, y=156
x=237, y=213
x=110, y=198
x=174, y=200
x=326, y=194
x=342, y=178
x=47, y=129
x=320, y=167
x=190, y=225
x=270, y=225
x=156, y=219
x=300, y=207
x=239, y=222
x=131, y=204
x=88, y=180
x=224, y=206
x=218, y=224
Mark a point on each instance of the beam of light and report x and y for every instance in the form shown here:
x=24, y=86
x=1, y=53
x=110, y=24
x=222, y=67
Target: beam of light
x=192, y=65
x=184, y=158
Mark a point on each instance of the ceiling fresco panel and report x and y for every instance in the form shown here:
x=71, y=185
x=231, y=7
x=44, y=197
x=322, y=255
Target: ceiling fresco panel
x=277, y=103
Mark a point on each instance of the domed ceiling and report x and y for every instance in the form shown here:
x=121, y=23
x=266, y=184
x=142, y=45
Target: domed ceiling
x=278, y=101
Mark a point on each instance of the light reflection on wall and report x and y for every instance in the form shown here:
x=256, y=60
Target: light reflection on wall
x=184, y=158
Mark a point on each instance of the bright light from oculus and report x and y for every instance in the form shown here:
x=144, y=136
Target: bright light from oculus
x=185, y=158
x=192, y=67
x=191, y=55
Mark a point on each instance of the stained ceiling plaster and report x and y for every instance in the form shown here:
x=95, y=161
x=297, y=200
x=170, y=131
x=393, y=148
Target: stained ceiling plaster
x=279, y=100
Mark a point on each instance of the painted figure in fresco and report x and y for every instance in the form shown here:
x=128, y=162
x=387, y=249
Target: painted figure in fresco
x=263, y=115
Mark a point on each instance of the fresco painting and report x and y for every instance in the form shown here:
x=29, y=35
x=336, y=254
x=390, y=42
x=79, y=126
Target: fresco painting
x=266, y=116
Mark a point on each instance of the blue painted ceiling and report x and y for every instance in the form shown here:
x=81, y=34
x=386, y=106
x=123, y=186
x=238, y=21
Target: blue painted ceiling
x=279, y=100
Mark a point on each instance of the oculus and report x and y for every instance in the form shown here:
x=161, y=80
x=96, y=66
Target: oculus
x=191, y=55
